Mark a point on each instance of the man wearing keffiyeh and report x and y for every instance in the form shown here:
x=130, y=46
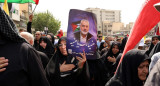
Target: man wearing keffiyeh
x=24, y=68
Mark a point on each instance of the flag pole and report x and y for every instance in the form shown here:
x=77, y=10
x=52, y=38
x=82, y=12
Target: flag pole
x=34, y=9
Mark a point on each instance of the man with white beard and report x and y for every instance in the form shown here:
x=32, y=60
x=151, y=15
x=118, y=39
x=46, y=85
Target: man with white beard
x=83, y=36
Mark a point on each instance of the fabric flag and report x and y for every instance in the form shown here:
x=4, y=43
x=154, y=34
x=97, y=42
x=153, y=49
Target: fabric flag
x=5, y=7
x=21, y=1
x=146, y=20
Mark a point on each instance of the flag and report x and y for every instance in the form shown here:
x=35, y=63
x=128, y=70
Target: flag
x=75, y=26
x=145, y=21
x=36, y=1
x=5, y=7
x=21, y=1
x=156, y=30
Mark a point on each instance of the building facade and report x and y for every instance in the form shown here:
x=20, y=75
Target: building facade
x=105, y=15
x=19, y=13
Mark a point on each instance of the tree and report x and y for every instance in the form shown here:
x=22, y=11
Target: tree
x=45, y=19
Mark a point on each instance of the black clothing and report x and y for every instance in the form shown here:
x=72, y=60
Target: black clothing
x=101, y=46
x=127, y=73
x=29, y=24
x=44, y=58
x=151, y=46
x=8, y=29
x=52, y=36
x=77, y=36
x=36, y=45
x=24, y=69
x=155, y=49
x=123, y=44
x=104, y=50
x=110, y=66
x=49, y=50
x=96, y=69
x=74, y=77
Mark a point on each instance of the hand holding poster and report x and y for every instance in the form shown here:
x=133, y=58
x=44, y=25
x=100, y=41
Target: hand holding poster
x=82, y=33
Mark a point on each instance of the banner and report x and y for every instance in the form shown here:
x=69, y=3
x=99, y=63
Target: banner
x=82, y=33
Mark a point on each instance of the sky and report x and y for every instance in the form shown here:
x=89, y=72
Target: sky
x=60, y=8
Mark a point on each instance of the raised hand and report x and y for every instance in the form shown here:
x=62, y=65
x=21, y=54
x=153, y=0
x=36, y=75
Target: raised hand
x=30, y=17
x=66, y=67
x=3, y=63
x=81, y=60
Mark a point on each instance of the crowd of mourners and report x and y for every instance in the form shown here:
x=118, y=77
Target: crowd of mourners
x=40, y=61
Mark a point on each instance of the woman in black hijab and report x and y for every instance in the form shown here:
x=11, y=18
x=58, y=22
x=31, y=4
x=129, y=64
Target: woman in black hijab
x=46, y=46
x=155, y=49
x=133, y=70
x=109, y=59
x=153, y=43
x=51, y=37
x=102, y=45
x=65, y=70
x=123, y=44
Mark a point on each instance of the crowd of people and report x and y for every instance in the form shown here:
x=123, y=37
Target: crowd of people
x=39, y=61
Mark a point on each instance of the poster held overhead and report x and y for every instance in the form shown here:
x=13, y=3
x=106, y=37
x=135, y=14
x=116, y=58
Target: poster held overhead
x=82, y=33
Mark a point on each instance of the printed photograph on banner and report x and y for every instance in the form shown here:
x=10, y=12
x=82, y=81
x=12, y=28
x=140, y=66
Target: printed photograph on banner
x=82, y=33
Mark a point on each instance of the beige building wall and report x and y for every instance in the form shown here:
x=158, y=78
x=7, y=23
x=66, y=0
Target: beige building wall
x=103, y=15
x=117, y=26
x=111, y=15
x=107, y=28
x=25, y=11
x=97, y=12
x=129, y=26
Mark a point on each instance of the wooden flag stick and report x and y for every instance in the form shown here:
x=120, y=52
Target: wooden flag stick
x=34, y=9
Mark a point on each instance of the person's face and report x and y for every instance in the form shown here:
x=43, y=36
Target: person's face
x=143, y=70
x=37, y=35
x=50, y=38
x=155, y=41
x=43, y=44
x=104, y=45
x=115, y=49
x=84, y=27
x=62, y=47
x=100, y=37
x=110, y=38
x=120, y=41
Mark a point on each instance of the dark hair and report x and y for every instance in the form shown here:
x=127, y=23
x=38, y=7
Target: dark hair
x=52, y=36
x=101, y=46
x=59, y=42
x=49, y=50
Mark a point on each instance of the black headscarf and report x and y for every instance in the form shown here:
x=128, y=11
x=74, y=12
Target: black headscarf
x=52, y=36
x=109, y=66
x=124, y=41
x=127, y=74
x=151, y=46
x=8, y=29
x=71, y=78
x=155, y=49
x=101, y=46
x=49, y=50
x=110, y=53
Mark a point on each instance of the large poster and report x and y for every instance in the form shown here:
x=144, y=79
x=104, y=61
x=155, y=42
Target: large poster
x=82, y=33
